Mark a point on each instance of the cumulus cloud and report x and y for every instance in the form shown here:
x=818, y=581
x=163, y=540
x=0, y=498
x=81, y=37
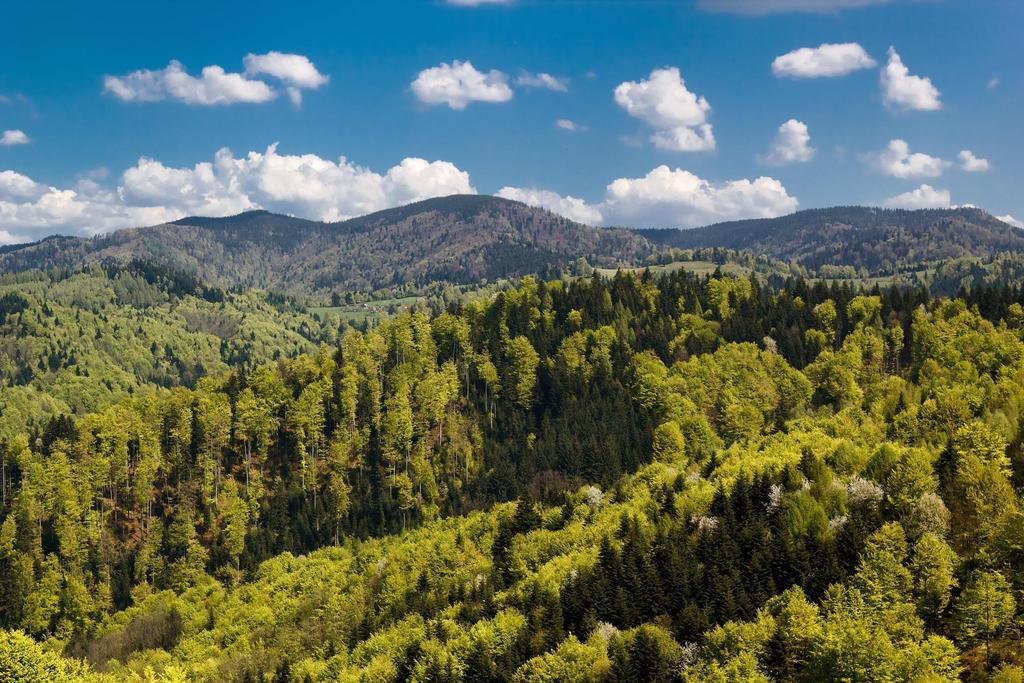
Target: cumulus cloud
x=682, y=139
x=290, y=68
x=790, y=146
x=924, y=197
x=667, y=198
x=568, y=206
x=203, y=189
x=677, y=198
x=296, y=71
x=86, y=208
x=213, y=86
x=414, y=179
x=544, y=81
x=305, y=185
x=15, y=186
x=151, y=192
x=678, y=116
x=902, y=90
x=825, y=61
x=898, y=161
x=459, y=83
x=9, y=138
x=759, y=7
x=971, y=163
x=1007, y=218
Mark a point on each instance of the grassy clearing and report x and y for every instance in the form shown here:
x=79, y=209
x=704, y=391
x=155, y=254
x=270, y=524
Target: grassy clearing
x=374, y=311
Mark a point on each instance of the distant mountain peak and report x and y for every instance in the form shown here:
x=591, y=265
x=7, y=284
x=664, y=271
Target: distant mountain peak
x=247, y=220
x=244, y=215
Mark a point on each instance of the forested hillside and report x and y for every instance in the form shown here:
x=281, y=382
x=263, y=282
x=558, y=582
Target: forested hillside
x=879, y=241
x=467, y=239
x=634, y=479
x=459, y=239
x=74, y=342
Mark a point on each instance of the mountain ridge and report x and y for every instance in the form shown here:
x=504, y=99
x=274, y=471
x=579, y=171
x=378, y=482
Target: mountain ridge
x=875, y=238
x=468, y=238
x=460, y=238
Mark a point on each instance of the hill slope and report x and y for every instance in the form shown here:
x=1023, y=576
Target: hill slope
x=692, y=506
x=879, y=240
x=76, y=343
x=461, y=238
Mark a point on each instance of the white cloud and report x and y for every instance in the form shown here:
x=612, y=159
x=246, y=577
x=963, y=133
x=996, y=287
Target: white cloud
x=307, y=185
x=826, y=60
x=9, y=138
x=667, y=198
x=150, y=192
x=459, y=83
x=85, y=209
x=677, y=198
x=682, y=139
x=924, y=197
x=290, y=68
x=202, y=189
x=566, y=124
x=678, y=116
x=543, y=81
x=897, y=161
x=570, y=207
x=1007, y=218
x=15, y=186
x=971, y=163
x=901, y=90
x=213, y=87
x=10, y=238
x=758, y=7
x=993, y=83
x=790, y=146
x=297, y=71
x=414, y=179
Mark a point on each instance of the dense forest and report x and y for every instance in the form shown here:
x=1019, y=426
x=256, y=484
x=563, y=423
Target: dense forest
x=77, y=341
x=634, y=478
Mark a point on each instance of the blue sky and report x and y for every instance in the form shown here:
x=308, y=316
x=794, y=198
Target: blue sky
x=676, y=107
